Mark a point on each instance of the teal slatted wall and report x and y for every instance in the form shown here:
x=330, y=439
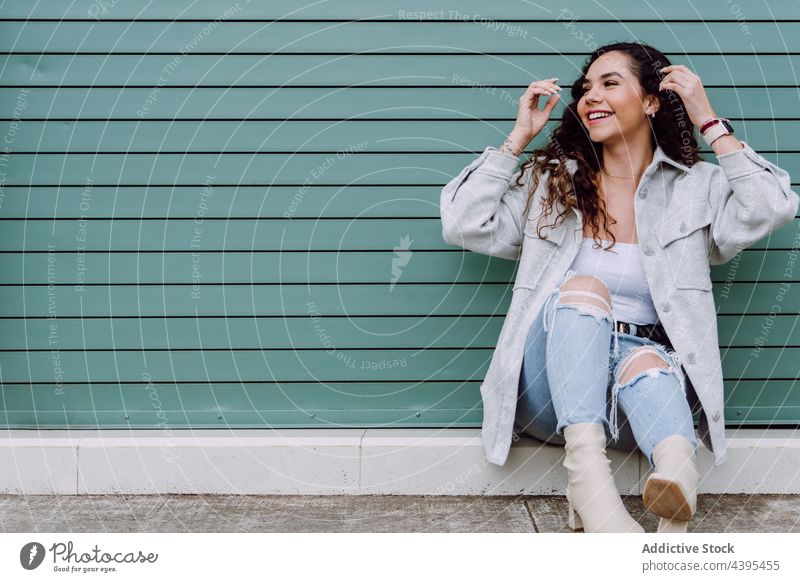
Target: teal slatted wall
x=226, y=214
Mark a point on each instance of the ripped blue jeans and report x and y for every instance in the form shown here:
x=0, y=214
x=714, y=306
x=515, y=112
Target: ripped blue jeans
x=570, y=374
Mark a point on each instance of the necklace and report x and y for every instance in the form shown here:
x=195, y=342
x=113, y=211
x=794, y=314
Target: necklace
x=623, y=177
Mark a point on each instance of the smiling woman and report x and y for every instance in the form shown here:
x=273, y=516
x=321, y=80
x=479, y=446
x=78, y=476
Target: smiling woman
x=619, y=165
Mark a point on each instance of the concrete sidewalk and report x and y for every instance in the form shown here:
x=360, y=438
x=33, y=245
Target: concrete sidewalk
x=363, y=513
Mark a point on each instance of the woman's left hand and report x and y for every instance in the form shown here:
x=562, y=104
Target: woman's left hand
x=690, y=89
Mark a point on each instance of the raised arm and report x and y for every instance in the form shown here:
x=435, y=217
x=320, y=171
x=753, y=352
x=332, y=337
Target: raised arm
x=751, y=198
x=481, y=207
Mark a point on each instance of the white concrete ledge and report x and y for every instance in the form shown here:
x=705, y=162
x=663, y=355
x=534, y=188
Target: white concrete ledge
x=347, y=462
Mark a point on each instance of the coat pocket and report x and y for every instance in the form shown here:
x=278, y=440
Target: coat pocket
x=684, y=241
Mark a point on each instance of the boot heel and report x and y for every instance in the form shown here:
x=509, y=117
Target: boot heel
x=666, y=525
x=671, y=490
x=574, y=521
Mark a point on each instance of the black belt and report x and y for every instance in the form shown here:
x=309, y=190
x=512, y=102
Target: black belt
x=651, y=331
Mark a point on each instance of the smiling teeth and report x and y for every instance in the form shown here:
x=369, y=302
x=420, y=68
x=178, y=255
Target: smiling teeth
x=599, y=115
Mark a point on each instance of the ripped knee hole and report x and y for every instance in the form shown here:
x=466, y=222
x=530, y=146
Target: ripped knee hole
x=584, y=287
x=653, y=362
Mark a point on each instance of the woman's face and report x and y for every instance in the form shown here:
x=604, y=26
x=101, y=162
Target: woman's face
x=610, y=86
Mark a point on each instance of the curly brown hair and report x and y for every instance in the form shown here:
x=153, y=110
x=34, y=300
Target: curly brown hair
x=570, y=140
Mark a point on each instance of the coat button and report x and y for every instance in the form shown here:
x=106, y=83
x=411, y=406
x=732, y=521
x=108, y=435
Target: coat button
x=683, y=227
x=715, y=418
x=665, y=307
x=643, y=193
x=690, y=357
x=648, y=250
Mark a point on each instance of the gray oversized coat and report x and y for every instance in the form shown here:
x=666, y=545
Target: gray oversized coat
x=686, y=219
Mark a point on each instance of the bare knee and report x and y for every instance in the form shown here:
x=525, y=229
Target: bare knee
x=640, y=360
x=586, y=290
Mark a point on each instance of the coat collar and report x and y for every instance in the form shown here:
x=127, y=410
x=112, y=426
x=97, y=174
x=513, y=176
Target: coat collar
x=660, y=156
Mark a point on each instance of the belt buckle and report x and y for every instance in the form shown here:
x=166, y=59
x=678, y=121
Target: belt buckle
x=636, y=330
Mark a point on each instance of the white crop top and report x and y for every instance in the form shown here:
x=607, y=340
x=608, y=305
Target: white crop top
x=620, y=268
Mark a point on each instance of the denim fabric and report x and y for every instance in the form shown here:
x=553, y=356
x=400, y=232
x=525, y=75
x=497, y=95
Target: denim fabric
x=578, y=382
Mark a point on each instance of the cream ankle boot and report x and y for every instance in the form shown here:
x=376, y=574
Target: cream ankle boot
x=594, y=501
x=671, y=490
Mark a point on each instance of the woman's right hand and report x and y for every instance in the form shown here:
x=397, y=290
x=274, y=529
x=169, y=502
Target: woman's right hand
x=530, y=119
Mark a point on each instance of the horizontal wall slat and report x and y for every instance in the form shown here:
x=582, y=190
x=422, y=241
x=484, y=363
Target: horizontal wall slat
x=331, y=333
x=264, y=333
x=338, y=138
x=225, y=404
x=346, y=365
x=243, y=235
x=358, y=397
x=318, y=203
x=315, y=202
x=562, y=35
x=213, y=405
x=294, y=103
x=257, y=366
x=314, y=267
x=259, y=267
x=229, y=235
x=235, y=396
x=200, y=419
x=251, y=169
x=467, y=300
x=484, y=299
x=345, y=70
x=389, y=9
